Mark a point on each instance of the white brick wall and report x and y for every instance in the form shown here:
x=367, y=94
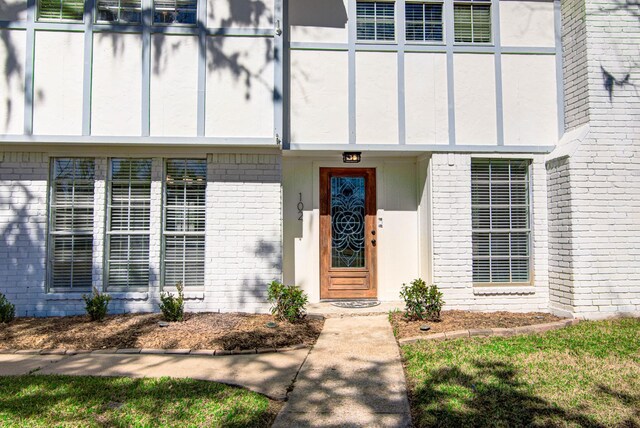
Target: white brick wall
x=23, y=229
x=244, y=230
x=243, y=236
x=452, y=251
x=596, y=190
x=574, y=52
x=560, y=236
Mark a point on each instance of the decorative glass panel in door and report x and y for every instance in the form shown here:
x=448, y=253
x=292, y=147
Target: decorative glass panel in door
x=347, y=222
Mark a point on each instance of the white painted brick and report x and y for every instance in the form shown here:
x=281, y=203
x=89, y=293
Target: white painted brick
x=451, y=234
x=594, y=195
x=243, y=235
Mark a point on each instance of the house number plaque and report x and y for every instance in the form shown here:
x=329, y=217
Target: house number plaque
x=300, y=208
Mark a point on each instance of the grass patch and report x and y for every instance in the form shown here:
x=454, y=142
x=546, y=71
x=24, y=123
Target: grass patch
x=45, y=401
x=585, y=375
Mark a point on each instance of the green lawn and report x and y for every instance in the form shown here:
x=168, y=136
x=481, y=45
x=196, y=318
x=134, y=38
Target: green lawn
x=585, y=375
x=48, y=401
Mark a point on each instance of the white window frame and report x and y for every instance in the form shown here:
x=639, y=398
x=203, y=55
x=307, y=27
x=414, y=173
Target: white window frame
x=129, y=233
x=51, y=233
x=119, y=11
x=529, y=230
x=166, y=233
x=395, y=23
x=182, y=24
x=443, y=22
x=471, y=4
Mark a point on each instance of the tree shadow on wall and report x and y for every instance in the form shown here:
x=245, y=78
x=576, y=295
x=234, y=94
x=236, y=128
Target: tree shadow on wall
x=611, y=79
x=222, y=57
x=22, y=243
x=267, y=268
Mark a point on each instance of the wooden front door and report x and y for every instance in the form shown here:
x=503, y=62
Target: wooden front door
x=348, y=235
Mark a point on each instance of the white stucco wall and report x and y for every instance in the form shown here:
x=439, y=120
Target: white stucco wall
x=116, y=86
x=59, y=70
x=174, y=85
x=475, y=98
x=398, y=237
x=530, y=100
x=376, y=98
x=13, y=10
x=240, y=14
x=12, y=55
x=319, y=97
x=527, y=23
x=319, y=21
x=426, y=103
x=239, y=100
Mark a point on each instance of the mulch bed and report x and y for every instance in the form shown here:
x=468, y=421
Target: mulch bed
x=464, y=320
x=197, y=331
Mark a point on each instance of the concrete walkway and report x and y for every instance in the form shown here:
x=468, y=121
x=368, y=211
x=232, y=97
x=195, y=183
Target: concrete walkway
x=352, y=377
x=268, y=374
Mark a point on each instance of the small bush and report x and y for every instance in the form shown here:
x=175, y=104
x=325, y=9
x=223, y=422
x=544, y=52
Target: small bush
x=288, y=302
x=422, y=301
x=96, y=305
x=7, y=310
x=173, y=307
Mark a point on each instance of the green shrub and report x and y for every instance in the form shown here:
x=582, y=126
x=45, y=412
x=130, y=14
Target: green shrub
x=7, y=310
x=96, y=305
x=422, y=301
x=173, y=307
x=288, y=301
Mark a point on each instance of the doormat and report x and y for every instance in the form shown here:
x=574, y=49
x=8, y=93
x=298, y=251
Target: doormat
x=356, y=304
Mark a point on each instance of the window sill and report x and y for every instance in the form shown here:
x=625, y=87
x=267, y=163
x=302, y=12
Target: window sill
x=188, y=294
x=494, y=290
x=66, y=295
x=118, y=295
x=129, y=295
x=377, y=42
x=474, y=44
x=438, y=43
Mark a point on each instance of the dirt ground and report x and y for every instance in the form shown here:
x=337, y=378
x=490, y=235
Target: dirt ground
x=464, y=320
x=197, y=331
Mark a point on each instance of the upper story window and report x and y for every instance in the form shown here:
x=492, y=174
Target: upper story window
x=120, y=11
x=500, y=207
x=472, y=21
x=424, y=22
x=375, y=20
x=175, y=11
x=60, y=10
x=71, y=223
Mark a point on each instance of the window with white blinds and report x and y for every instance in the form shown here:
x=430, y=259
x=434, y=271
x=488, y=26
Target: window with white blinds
x=175, y=11
x=424, y=22
x=120, y=11
x=71, y=224
x=60, y=10
x=184, y=222
x=472, y=21
x=128, y=205
x=375, y=20
x=501, y=221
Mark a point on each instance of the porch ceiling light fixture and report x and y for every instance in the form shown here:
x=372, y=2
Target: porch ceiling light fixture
x=351, y=157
